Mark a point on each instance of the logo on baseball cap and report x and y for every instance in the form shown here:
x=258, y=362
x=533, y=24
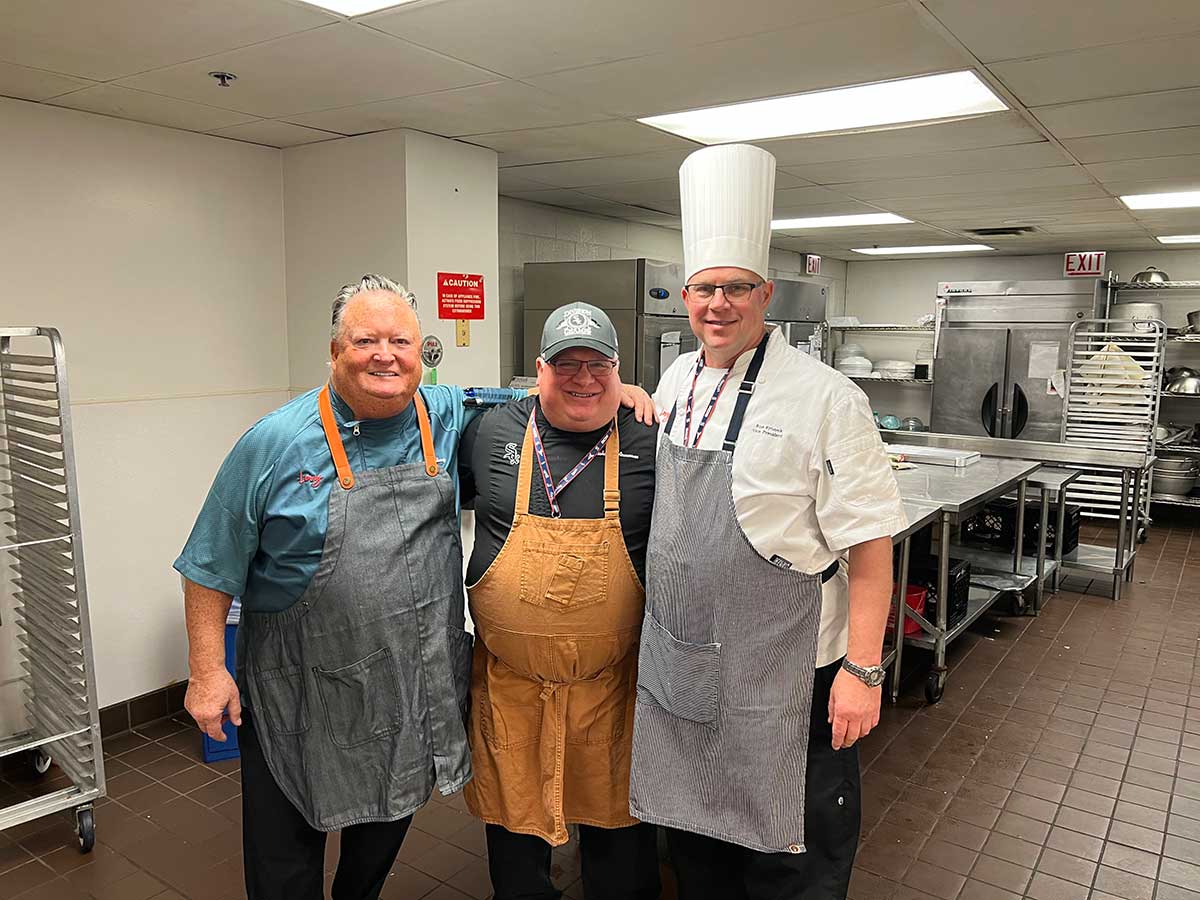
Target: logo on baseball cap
x=578, y=325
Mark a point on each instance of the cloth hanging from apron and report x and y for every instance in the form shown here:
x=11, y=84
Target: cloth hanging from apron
x=726, y=663
x=557, y=617
x=359, y=689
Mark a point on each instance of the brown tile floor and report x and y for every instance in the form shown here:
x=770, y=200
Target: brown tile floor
x=1063, y=763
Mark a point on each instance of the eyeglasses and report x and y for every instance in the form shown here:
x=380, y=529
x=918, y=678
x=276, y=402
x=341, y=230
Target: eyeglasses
x=598, y=368
x=735, y=292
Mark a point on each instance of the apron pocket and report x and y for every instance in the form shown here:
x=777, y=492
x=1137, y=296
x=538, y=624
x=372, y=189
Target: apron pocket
x=564, y=578
x=361, y=700
x=462, y=649
x=281, y=699
x=510, y=707
x=684, y=679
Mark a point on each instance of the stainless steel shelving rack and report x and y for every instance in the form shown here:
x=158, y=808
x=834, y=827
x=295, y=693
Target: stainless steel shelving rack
x=827, y=331
x=1114, y=287
x=42, y=579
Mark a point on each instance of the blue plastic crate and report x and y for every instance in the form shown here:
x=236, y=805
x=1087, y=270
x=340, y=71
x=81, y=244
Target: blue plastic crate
x=216, y=750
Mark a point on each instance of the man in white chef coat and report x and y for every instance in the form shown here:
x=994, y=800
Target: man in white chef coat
x=759, y=662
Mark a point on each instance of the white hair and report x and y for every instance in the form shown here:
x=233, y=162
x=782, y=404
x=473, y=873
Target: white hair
x=368, y=282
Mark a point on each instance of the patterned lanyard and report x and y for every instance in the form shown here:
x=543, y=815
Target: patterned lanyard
x=712, y=403
x=553, y=490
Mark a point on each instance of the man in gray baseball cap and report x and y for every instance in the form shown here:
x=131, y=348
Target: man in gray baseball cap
x=563, y=486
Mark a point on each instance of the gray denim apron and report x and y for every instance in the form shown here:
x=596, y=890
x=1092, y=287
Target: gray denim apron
x=359, y=689
x=726, y=663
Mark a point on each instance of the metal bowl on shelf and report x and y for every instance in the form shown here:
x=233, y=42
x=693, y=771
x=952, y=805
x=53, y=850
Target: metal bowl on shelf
x=1181, y=372
x=1150, y=275
x=1188, y=385
x=1175, y=485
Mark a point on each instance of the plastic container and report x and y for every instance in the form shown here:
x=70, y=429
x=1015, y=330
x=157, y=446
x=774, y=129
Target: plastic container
x=214, y=751
x=914, y=597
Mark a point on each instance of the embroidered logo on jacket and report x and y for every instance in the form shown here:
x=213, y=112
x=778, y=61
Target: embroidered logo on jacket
x=313, y=481
x=512, y=455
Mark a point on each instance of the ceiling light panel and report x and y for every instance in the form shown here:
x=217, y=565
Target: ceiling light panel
x=1175, y=200
x=1179, y=239
x=936, y=248
x=863, y=106
x=838, y=221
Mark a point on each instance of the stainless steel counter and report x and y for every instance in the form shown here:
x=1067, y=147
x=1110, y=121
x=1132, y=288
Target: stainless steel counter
x=960, y=491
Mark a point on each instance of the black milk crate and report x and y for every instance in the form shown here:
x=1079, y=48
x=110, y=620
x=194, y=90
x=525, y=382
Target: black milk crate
x=925, y=574
x=1008, y=511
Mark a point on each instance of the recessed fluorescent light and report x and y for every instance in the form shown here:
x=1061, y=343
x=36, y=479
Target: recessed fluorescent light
x=355, y=7
x=937, y=248
x=925, y=98
x=1179, y=239
x=1176, y=200
x=839, y=221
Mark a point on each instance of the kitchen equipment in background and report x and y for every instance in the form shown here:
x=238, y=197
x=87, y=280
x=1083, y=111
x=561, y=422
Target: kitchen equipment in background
x=895, y=368
x=891, y=423
x=855, y=367
x=1180, y=372
x=912, y=423
x=1150, y=275
x=643, y=299
x=999, y=345
x=1137, y=311
x=1188, y=384
x=1194, y=320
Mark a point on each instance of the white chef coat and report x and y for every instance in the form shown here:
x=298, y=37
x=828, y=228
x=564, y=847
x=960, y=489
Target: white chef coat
x=811, y=476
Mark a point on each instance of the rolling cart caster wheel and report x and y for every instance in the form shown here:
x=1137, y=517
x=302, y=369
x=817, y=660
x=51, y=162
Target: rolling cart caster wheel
x=85, y=829
x=41, y=761
x=1143, y=536
x=935, y=685
x=1018, y=604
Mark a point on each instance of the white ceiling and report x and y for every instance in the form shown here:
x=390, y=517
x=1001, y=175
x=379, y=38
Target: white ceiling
x=1105, y=97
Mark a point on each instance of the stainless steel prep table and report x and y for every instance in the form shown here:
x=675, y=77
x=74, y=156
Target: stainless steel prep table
x=1052, y=482
x=919, y=514
x=960, y=492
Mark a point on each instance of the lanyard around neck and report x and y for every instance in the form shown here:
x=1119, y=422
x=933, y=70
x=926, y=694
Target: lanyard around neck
x=553, y=490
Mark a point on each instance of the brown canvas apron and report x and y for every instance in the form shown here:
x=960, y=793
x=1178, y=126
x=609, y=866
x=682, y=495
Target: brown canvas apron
x=557, y=620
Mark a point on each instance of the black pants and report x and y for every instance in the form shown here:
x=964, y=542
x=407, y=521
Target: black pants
x=618, y=864
x=285, y=856
x=709, y=869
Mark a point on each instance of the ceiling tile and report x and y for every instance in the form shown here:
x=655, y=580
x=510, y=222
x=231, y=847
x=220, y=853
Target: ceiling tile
x=574, y=142
x=1141, y=112
x=794, y=202
x=536, y=36
x=995, y=130
x=1168, y=167
x=338, y=65
x=1135, y=145
x=479, y=109
x=885, y=43
x=1015, y=28
x=25, y=83
x=1052, y=197
x=610, y=170
x=138, y=106
x=106, y=40
x=509, y=181
x=997, y=159
x=789, y=208
x=1136, y=67
x=1169, y=221
x=275, y=134
x=577, y=201
x=1158, y=185
x=963, y=184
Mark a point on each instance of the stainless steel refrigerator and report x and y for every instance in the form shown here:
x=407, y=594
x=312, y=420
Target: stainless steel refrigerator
x=643, y=298
x=999, y=346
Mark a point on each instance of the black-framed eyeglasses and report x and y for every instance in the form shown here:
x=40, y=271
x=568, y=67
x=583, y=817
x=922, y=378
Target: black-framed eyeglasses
x=735, y=291
x=597, y=368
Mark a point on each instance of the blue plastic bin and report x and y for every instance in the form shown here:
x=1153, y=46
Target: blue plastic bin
x=216, y=750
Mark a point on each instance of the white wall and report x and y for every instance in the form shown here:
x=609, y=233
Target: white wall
x=533, y=232
x=159, y=255
x=900, y=291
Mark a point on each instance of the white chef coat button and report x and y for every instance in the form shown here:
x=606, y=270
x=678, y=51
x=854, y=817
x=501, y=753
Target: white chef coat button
x=841, y=801
x=795, y=848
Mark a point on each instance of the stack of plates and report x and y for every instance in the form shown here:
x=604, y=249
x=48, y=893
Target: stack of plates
x=895, y=368
x=845, y=351
x=854, y=366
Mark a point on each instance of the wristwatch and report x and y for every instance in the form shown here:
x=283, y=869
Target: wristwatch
x=871, y=676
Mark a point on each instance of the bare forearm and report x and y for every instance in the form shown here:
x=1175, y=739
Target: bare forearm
x=206, y=611
x=870, y=598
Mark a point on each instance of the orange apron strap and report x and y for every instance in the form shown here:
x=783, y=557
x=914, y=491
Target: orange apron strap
x=336, y=448
x=612, y=464
x=525, y=472
x=431, y=466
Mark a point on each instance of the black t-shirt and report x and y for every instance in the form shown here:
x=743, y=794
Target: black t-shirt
x=489, y=459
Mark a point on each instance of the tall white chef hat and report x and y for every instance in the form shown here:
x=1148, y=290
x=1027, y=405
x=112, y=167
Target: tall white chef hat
x=727, y=194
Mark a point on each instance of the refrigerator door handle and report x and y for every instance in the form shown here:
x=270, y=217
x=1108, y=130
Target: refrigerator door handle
x=987, y=410
x=1020, y=411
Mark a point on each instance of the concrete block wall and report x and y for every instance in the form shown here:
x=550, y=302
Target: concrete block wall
x=532, y=232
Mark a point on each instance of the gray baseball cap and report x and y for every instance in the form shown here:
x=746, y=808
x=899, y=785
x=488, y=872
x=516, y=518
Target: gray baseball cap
x=578, y=325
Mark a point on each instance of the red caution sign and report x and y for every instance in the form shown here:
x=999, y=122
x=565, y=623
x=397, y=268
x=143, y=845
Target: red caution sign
x=459, y=296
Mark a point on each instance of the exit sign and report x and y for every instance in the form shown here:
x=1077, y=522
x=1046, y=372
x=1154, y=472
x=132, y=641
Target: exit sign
x=1084, y=264
x=812, y=264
